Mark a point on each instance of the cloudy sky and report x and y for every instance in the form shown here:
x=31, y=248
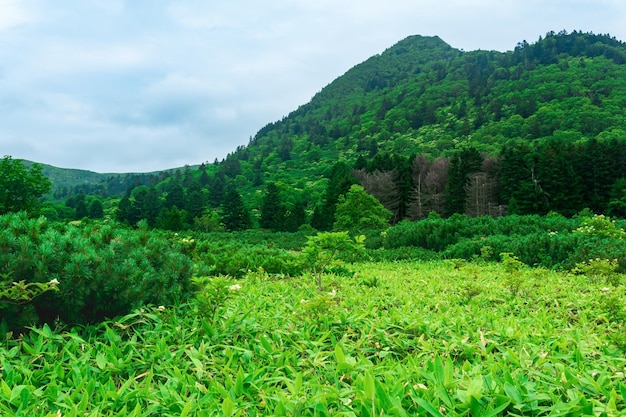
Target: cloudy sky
x=143, y=85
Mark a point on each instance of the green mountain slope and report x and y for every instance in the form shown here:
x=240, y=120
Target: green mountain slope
x=422, y=96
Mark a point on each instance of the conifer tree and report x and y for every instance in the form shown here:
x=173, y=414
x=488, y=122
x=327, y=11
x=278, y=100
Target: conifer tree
x=462, y=165
x=272, y=210
x=234, y=214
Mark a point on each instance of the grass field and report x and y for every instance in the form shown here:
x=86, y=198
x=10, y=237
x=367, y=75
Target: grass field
x=440, y=338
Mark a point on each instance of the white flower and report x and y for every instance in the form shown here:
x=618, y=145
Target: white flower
x=333, y=293
x=606, y=289
x=54, y=282
x=161, y=308
x=235, y=287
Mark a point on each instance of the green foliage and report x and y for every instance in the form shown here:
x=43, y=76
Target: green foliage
x=12, y=292
x=212, y=294
x=235, y=215
x=414, y=344
x=601, y=226
x=599, y=270
x=358, y=211
x=103, y=269
x=272, y=210
x=20, y=187
x=329, y=250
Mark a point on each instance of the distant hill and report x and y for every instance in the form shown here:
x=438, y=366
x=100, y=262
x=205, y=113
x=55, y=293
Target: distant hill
x=67, y=182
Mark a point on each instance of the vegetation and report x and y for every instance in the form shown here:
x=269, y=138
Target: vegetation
x=424, y=339
x=20, y=187
x=436, y=233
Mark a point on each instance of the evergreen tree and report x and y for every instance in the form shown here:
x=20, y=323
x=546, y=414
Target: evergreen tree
x=124, y=209
x=340, y=180
x=80, y=206
x=195, y=202
x=172, y=219
x=462, y=165
x=95, y=209
x=272, y=210
x=216, y=190
x=234, y=214
x=295, y=217
x=175, y=194
x=151, y=206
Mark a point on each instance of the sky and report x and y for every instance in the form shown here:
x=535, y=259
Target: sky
x=145, y=85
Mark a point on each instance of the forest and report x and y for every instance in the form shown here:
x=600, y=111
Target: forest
x=437, y=232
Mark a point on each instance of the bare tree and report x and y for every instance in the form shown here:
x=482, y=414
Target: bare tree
x=420, y=167
x=481, y=191
x=382, y=186
x=435, y=183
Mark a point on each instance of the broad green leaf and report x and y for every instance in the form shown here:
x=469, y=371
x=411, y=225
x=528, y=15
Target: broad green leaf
x=369, y=386
x=6, y=390
x=428, y=407
x=187, y=408
x=496, y=411
x=513, y=393
x=239, y=383
x=228, y=407
x=101, y=361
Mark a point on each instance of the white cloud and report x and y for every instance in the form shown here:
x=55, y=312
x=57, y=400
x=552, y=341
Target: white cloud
x=13, y=14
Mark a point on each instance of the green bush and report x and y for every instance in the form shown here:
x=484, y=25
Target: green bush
x=236, y=258
x=103, y=269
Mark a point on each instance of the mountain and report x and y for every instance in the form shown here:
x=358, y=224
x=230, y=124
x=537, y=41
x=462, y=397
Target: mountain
x=423, y=97
x=540, y=127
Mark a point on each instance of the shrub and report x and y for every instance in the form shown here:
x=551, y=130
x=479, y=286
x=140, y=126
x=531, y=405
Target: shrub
x=102, y=269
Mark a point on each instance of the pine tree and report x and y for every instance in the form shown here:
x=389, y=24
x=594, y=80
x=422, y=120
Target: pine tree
x=462, y=165
x=234, y=214
x=272, y=210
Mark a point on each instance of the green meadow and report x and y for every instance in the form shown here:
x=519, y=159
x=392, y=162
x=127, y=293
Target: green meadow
x=407, y=338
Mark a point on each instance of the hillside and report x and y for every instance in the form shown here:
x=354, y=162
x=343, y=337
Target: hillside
x=426, y=127
x=423, y=96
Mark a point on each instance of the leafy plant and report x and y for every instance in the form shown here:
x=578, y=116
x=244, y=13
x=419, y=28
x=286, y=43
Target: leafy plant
x=330, y=249
x=212, y=294
x=514, y=278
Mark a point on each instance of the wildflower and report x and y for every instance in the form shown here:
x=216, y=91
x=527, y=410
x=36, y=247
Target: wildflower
x=235, y=287
x=333, y=293
x=161, y=308
x=605, y=289
x=54, y=282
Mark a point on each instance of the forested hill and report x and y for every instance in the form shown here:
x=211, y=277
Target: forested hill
x=423, y=97
x=424, y=128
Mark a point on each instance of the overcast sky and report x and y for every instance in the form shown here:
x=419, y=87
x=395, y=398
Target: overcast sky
x=143, y=85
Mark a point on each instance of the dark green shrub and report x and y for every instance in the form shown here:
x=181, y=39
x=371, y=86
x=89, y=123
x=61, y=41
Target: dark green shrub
x=103, y=269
